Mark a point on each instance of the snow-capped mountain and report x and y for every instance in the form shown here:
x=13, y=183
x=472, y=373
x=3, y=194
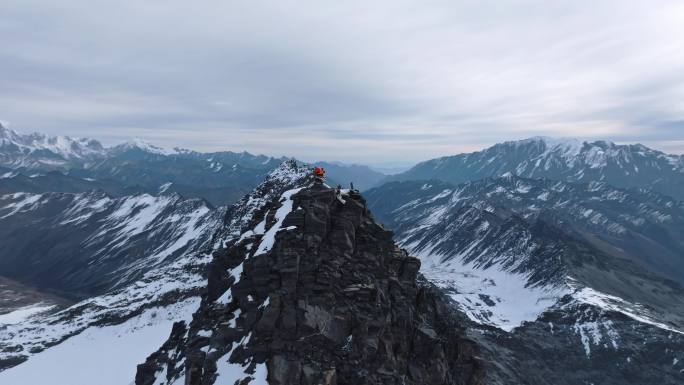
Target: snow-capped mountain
x=127, y=323
x=626, y=166
x=221, y=178
x=138, y=166
x=37, y=151
x=40, y=152
x=140, y=145
x=573, y=272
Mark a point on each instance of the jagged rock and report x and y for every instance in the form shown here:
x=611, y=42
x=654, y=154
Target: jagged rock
x=322, y=296
x=145, y=373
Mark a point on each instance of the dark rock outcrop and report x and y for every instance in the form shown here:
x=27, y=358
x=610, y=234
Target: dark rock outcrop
x=332, y=300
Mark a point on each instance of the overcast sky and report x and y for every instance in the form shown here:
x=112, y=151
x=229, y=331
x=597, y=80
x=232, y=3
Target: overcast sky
x=380, y=82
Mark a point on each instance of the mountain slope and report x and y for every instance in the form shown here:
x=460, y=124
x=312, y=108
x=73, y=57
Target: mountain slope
x=640, y=226
x=90, y=243
x=123, y=324
x=558, y=274
x=626, y=166
x=316, y=293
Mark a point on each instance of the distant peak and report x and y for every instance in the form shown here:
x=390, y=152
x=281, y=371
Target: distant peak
x=289, y=171
x=143, y=145
x=6, y=132
x=63, y=146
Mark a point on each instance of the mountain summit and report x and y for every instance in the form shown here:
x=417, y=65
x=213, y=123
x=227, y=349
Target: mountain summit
x=138, y=144
x=316, y=292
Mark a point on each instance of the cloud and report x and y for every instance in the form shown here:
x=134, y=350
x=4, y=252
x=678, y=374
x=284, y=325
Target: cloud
x=390, y=80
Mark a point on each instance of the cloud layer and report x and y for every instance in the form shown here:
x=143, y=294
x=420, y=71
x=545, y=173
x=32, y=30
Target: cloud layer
x=382, y=82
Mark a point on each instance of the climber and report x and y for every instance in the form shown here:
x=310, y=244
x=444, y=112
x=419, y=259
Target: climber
x=319, y=173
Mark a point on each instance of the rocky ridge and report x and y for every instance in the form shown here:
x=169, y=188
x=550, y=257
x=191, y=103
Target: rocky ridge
x=316, y=292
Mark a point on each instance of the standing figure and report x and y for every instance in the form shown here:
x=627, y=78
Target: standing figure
x=319, y=174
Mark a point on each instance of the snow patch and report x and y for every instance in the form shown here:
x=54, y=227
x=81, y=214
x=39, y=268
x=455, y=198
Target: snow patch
x=490, y=295
x=22, y=314
x=269, y=237
x=609, y=302
x=27, y=202
x=163, y=188
x=107, y=354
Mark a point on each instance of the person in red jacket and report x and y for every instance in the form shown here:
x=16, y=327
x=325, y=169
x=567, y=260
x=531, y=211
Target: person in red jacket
x=319, y=173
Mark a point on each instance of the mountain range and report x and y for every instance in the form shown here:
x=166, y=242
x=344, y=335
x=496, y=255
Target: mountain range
x=531, y=262
x=586, y=262
x=629, y=166
x=135, y=316
x=40, y=163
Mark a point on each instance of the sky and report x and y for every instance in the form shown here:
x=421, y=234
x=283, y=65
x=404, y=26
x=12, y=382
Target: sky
x=387, y=83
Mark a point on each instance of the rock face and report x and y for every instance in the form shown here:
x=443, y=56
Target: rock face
x=316, y=292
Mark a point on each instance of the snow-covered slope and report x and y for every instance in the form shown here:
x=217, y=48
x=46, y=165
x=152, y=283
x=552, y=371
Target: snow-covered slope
x=126, y=323
x=90, y=243
x=578, y=268
x=629, y=166
x=102, y=354
x=643, y=227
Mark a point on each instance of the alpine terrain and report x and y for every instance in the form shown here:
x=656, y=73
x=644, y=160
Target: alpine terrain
x=293, y=193
x=572, y=283
x=132, y=317
x=508, y=266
